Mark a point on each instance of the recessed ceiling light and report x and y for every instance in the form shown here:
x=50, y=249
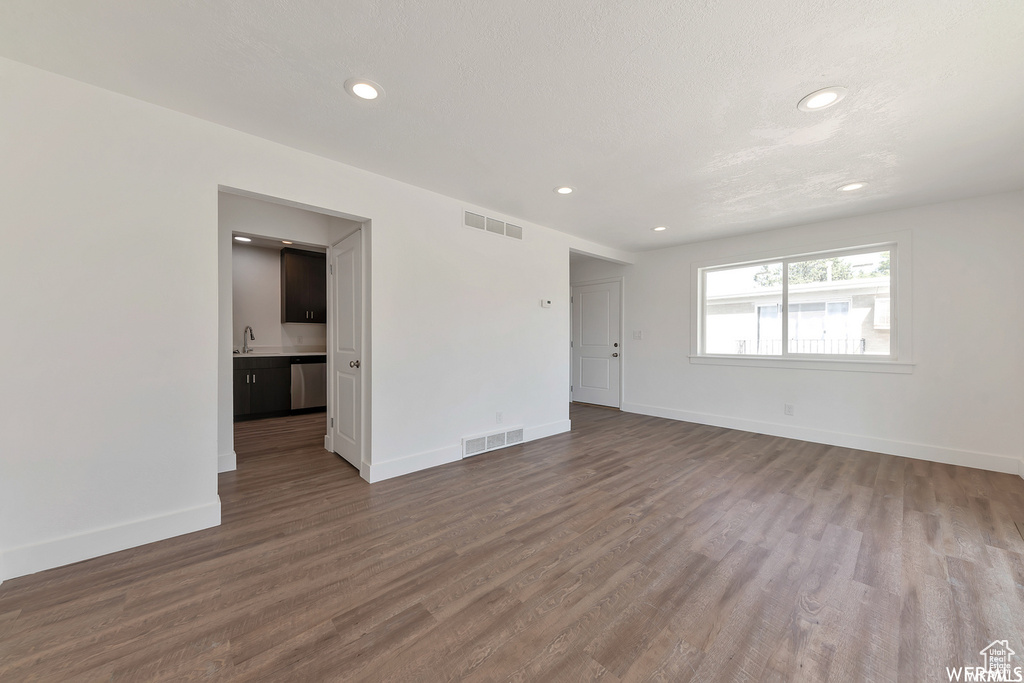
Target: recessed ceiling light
x=820, y=99
x=363, y=89
x=660, y=228
x=565, y=189
x=850, y=187
x=239, y=238
x=285, y=242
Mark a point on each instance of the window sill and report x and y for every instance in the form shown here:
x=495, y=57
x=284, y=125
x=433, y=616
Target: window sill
x=884, y=366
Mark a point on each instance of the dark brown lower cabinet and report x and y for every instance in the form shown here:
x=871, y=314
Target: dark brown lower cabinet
x=262, y=387
x=241, y=391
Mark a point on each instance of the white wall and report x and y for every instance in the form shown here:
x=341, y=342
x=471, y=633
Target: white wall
x=115, y=269
x=249, y=216
x=586, y=269
x=963, y=402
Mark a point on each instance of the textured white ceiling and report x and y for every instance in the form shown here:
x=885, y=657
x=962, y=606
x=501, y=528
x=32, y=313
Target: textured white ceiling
x=660, y=112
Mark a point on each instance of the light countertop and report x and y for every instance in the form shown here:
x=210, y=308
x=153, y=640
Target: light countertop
x=266, y=354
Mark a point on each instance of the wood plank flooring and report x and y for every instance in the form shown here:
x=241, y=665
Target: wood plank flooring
x=630, y=549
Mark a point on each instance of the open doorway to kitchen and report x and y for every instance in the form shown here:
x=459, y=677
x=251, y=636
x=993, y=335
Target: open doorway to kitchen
x=279, y=314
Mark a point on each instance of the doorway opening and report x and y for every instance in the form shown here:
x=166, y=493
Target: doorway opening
x=596, y=341
x=283, y=306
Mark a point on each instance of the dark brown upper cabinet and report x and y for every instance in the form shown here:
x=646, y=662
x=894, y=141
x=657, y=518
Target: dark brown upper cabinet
x=303, y=286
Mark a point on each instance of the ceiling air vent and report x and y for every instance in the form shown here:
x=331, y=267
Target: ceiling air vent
x=475, y=445
x=492, y=225
x=475, y=220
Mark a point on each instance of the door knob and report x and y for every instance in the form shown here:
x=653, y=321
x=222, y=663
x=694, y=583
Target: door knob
x=615, y=355
x=353, y=364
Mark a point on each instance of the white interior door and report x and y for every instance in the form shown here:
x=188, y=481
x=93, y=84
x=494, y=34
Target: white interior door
x=596, y=348
x=344, y=391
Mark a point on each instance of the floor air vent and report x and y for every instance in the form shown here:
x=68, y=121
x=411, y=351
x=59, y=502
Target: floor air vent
x=492, y=225
x=475, y=445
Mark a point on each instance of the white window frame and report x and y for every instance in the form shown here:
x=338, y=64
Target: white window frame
x=899, y=359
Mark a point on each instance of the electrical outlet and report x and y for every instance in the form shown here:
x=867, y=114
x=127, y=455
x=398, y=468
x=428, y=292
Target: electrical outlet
x=787, y=408
x=498, y=418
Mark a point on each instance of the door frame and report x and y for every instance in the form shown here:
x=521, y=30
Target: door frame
x=620, y=280
x=226, y=459
x=366, y=368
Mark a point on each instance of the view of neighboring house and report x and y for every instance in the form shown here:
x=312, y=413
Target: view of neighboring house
x=838, y=305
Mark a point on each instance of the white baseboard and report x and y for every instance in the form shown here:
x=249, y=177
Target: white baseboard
x=226, y=462
x=546, y=430
x=374, y=472
x=950, y=456
x=379, y=471
x=57, y=552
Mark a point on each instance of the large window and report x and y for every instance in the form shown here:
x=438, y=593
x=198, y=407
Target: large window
x=824, y=305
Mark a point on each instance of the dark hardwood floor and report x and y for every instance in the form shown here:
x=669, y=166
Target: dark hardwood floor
x=632, y=548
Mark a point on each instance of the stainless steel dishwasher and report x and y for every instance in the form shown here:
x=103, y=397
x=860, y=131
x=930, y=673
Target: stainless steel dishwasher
x=309, y=382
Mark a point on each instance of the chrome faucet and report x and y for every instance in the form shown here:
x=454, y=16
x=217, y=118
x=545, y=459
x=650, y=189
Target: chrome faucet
x=246, y=336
